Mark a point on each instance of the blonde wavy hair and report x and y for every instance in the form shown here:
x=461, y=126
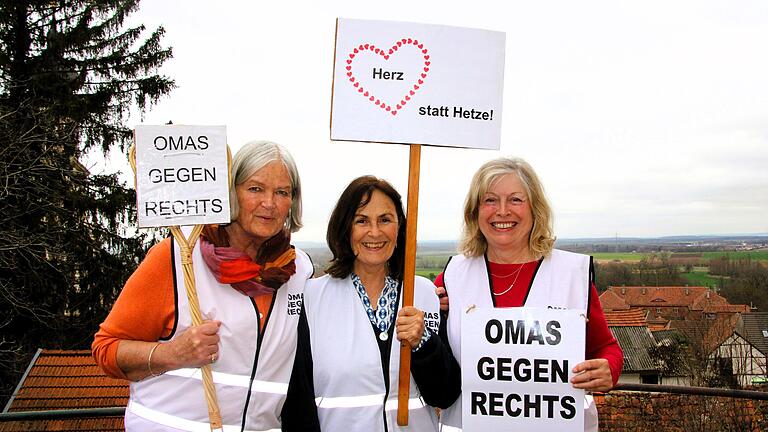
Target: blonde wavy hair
x=541, y=239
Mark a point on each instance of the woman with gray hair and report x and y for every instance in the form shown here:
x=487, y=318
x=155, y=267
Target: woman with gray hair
x=507, y=259
x=249, y=281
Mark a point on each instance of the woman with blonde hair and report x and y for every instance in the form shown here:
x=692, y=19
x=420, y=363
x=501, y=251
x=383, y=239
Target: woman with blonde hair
x=507, y=259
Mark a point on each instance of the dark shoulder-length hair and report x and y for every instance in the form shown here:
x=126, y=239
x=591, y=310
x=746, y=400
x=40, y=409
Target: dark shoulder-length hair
x=357, y=195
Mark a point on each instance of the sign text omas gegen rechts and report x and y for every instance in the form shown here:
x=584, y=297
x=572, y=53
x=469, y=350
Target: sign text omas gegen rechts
x=517, y=366
x=182, y=176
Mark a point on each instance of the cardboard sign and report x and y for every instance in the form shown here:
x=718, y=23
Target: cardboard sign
x=182, y=175
x=396, y=82
x=516, y=366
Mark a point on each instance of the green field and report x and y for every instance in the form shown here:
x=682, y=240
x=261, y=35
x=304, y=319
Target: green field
x=760, y=255
x=426, y=271
x=699, y=278
x=637, y=256
x=620, y=256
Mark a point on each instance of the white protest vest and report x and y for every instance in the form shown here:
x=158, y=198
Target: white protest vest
x=253, y=366
x=562, y=281
x=350, y=389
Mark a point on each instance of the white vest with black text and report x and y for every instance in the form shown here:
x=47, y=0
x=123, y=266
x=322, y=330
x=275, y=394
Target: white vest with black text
x=253, y=367
x=350, y=390
x=561, y=281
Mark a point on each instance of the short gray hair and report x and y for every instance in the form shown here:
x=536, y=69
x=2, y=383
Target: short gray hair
x=254, y=156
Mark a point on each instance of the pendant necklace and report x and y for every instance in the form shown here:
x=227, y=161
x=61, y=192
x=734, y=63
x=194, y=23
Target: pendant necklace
x=517, y=274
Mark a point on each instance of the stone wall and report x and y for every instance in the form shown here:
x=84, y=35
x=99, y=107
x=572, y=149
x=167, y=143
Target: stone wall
x=636, y=411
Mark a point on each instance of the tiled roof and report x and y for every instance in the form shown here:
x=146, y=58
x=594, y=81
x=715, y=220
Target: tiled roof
x=695, y=298
x=612, y=301
x=626, y=318
x=635, y=343
x=727, y=308
x=66, y=380
x=709, y=331
x=754, y=328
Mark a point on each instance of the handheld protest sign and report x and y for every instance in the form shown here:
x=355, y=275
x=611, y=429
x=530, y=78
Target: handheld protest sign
x=415, y=84
x=517, y=374
x=182, y=176
x=407, y=83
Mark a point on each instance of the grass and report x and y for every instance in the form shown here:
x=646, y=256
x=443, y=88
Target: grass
x=698, y=278
x=621, y=256
x=426, y=271
x=637, y=256
x=753, y=255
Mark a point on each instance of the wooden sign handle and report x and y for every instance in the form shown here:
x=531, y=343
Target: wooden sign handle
x=404, y=383
x=186, y=245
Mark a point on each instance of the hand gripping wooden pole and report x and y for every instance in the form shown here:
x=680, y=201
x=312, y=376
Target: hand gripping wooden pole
x=186, y=245
x=404, y=383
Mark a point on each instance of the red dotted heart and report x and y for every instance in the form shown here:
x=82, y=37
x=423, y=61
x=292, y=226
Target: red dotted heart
x=385, y=54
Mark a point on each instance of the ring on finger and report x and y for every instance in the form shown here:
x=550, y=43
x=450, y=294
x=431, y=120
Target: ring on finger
x=213, y=358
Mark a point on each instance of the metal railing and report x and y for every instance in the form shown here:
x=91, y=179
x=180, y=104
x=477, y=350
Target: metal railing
x=647, y=388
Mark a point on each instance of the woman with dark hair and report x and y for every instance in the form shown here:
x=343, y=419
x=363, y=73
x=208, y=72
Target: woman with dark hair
x=345, y=376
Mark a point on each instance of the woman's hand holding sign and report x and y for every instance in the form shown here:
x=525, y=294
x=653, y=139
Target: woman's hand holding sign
x=593, y=375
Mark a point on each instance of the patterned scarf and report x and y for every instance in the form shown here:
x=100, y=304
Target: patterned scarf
x=274, y=264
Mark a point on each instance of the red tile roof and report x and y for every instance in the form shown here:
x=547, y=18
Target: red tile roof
x=65, y=380
x=612, y=301
x=728, y=308
x=628, y=318
x=694, y=297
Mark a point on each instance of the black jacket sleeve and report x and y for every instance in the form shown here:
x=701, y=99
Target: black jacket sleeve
x=436, y=371
x=299, y=411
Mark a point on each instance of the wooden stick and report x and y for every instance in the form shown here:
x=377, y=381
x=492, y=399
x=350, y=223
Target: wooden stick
x=186, y=246
x=404, y=384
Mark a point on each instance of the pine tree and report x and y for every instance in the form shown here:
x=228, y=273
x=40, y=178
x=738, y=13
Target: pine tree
x=70, y=74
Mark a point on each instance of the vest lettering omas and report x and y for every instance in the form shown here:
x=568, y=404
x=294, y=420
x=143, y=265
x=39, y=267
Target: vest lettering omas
x=536, y=370
x=294, y=303
x=432, y=321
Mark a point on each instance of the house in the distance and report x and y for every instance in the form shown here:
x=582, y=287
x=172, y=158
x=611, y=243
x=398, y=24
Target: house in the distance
x=631, y=332
x=669, y=303
x=743, y=353
x=705, y=325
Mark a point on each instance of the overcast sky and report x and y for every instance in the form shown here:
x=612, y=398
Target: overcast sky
x=643, y=118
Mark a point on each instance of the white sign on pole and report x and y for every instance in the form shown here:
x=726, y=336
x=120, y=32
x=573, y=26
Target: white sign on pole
x=182, y=175
x=406, y=83
x=516, y=369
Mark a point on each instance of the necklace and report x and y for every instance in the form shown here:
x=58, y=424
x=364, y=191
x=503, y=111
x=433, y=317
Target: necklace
x=517, y=274
x=514, y=273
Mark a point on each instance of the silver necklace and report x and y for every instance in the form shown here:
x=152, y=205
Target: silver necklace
x=513, y=282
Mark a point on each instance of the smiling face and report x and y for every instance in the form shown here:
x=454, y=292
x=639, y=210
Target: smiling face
x=374, y=233
x=505, y=217
x=264, y=199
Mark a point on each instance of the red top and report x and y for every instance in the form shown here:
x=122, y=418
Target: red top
x=510, y=288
